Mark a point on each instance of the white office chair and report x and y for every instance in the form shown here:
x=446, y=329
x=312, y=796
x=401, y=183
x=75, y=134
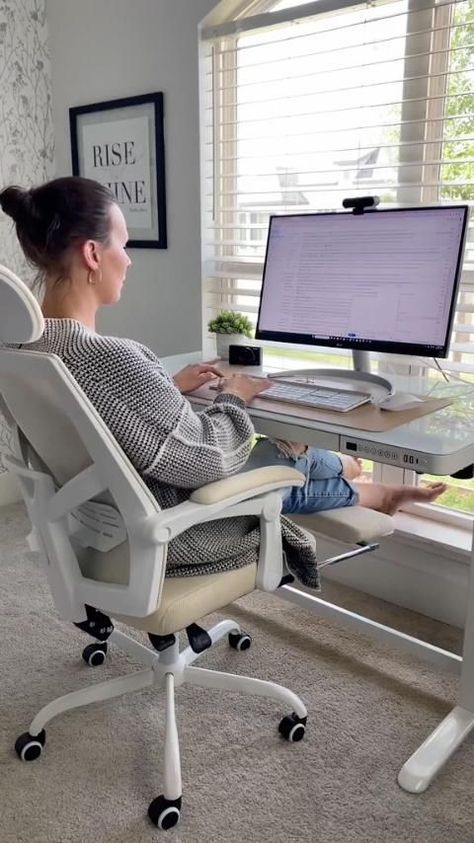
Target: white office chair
x=103, y=542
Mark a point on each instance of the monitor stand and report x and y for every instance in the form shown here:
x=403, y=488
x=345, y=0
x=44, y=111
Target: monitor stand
x=361, y=361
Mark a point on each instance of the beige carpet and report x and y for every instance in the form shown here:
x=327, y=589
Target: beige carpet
x=369, y=708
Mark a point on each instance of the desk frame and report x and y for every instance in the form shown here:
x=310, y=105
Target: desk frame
x=422, y=767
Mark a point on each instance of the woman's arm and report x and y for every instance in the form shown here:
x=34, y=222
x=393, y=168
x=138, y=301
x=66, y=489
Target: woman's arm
x=156, y=425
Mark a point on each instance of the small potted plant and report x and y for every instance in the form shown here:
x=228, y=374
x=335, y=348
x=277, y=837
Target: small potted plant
x=230, y=327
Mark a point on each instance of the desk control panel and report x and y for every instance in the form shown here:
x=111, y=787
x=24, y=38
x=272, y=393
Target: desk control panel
x=401, y=457
x=398, y=456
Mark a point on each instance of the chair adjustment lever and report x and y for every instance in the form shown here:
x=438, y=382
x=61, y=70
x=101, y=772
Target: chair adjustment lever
x=97, y=624
x=365, y=548
x=199, y=639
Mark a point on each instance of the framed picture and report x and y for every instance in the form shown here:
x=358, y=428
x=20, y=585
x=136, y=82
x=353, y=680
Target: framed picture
x=120, y=143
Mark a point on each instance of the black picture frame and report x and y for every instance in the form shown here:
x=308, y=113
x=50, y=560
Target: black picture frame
x=120, y=143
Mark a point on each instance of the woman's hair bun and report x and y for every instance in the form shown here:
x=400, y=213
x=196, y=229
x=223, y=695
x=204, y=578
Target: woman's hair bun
x=54, y=217
x=16, y=202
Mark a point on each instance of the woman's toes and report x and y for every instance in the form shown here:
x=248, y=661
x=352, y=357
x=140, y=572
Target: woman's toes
x=435, y=490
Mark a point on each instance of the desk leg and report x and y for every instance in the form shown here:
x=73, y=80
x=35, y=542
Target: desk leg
x=420, y=770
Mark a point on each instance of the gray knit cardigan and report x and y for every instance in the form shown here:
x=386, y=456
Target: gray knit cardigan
x=174, y=449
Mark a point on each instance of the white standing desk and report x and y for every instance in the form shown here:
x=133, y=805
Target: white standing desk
x=439, y=443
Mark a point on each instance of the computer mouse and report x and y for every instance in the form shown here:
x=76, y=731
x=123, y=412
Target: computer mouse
x=400, y=401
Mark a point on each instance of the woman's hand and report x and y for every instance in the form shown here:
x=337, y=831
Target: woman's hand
x=195, y=375
x=243, y=386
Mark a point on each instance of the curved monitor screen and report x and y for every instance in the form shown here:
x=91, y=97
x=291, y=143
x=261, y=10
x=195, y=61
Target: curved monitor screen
x=384, y=280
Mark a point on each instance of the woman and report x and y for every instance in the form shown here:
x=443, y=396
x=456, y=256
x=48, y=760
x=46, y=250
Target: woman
x=73, y=232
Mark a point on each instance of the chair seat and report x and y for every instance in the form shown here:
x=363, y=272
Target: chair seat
x=351, y=524
x=183, y=599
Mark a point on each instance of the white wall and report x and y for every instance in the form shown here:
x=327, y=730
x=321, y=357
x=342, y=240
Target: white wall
x=116, y=48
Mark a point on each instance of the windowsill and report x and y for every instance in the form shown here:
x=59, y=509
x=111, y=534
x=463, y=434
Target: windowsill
x=414, y=529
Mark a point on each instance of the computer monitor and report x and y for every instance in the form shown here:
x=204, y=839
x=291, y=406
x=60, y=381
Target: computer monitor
x=383, y=280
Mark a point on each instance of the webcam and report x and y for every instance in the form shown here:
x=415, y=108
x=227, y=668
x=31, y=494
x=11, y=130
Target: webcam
x=360, y=203
x=245, y=355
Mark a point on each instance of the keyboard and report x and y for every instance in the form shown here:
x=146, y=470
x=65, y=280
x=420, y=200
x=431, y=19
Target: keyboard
x=322, y=397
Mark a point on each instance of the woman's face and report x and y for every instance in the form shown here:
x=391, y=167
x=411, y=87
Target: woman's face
x=114, y=260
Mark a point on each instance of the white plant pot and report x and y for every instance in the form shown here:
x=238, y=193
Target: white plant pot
x=224, y=340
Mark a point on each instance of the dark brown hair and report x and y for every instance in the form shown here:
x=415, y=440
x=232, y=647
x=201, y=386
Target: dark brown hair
x=51, y=218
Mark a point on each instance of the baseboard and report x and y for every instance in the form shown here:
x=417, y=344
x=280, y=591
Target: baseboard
x=9, y=490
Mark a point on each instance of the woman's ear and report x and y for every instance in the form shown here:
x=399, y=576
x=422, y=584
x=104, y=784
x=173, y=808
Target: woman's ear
x=90, y=254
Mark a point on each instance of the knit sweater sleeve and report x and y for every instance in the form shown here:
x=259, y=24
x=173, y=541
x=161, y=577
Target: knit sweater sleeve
x=155, y=424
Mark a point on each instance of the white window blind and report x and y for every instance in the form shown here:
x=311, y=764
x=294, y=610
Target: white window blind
x=305, y=105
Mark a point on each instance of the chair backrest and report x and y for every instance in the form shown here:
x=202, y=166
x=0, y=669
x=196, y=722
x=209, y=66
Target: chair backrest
x=69, y=465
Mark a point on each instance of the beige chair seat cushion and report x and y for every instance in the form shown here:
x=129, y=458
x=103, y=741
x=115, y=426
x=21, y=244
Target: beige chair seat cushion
x=352, y=524
x=183, y=600
x=186, y=599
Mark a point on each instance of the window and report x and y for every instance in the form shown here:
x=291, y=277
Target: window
x=305, y=106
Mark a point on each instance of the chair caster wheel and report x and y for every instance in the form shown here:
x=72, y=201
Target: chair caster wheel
x=94, y=654
x=29, y=747
x=239, y=640
x=292, y=727
x=165, y=813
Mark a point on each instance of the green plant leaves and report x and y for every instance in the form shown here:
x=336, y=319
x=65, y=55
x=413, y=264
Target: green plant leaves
x=231, y=322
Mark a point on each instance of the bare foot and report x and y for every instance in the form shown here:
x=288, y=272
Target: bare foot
x=389, y=499
x=351, y=466
x=421, y=494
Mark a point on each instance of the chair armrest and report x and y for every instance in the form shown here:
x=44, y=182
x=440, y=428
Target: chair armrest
x=258, y=481
x=255, y=492
x=234, y=496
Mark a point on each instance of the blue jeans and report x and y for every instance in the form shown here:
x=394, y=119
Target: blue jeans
x=325, y=487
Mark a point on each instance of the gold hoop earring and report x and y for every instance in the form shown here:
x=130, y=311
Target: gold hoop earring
x=91, y=276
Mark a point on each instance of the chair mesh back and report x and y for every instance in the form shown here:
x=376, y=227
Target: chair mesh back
x=42, y=421
x=63, y=427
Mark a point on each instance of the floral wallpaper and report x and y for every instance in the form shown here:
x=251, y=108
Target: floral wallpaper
x=26, y=125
